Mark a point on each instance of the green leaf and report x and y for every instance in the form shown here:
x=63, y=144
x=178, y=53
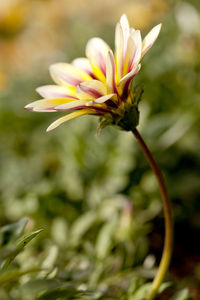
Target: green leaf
x=9, y=277
x=182, y=295
x=48, y=289
x=164, y=286
x=105, y=238
x=69, y=292
x=63, y=293
x=81, y=226
x=27, y=238
x=141, y=293
x=19, y=248
x=136, y=282
x=12, y=231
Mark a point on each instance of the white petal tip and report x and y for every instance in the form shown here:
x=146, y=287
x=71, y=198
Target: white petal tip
x=51, y=68
x=49, y=129
x=158, y=27
x=38, y=89
x=28, y=107
x=54, y=68
x=52, y=126
x=150, y=39
x=156, y=31
x=124, y=18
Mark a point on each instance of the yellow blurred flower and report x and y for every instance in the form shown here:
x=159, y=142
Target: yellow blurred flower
x=13, y=16
x=28, y=32
x=29, y=29
x=140, y=13
x=100, y=83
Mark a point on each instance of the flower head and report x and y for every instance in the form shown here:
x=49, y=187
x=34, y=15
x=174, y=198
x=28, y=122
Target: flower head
x=99, y=84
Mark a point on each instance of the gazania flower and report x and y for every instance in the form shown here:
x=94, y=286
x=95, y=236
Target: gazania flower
x=99, y=84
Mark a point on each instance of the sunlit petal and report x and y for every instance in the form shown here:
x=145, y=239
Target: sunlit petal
x=133, y=53
x=68, y=117
x=67, y=74
x=71, y=105
x=54, y=91
x=104, y=98
x=125, y=29
x=119, y=50
x=48, y=105
x=83, y=64
x=128, y=77
x=97, y=51
x=110, y=73
x=150, y=39
x=92, y=89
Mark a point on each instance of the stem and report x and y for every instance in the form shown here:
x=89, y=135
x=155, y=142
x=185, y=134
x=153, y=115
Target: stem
x=167, y=250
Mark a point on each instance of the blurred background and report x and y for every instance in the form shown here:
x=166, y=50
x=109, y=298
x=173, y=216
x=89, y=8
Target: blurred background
x=94, y=193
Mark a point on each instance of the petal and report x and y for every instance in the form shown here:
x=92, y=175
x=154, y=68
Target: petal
x=67, y=74
x=128, y=77
x=54, y=91
x=69, y=117
x=83, y=64
x=133, y=53
x=125, y=29
x=150, y=39
x=110, y=73
x=97, y=51
x=71, y=105
x=47, y=105
x=119, y=46
x=104, y=98
x=92, y=89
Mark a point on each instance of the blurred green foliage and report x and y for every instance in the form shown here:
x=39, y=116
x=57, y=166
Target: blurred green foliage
x=94, y=194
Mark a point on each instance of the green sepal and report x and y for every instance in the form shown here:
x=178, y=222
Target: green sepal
x=130, y=118
x=126, y=116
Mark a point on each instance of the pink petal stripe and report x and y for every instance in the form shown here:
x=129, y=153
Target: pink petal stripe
x=138, y=48
x=69, y=79
x=67, y=74
x=124, y=82
x=101, y=62
x=119, y=45
x=90, y=91
x=110, y=73
x=83, y=64
x=96, y=51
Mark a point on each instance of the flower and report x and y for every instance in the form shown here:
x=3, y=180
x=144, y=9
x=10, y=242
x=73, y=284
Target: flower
x=99, y=84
